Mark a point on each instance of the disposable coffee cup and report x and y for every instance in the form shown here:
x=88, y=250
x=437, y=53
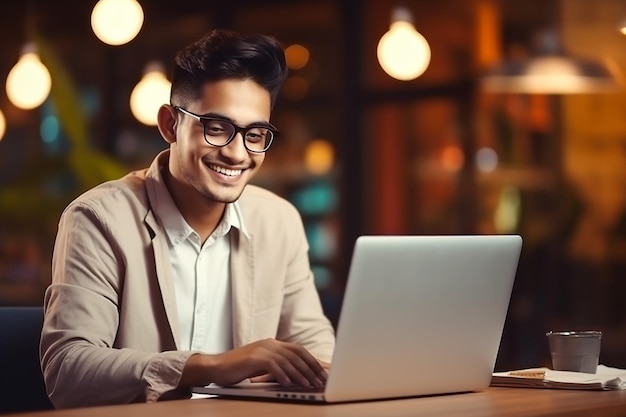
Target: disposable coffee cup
x=577, y=351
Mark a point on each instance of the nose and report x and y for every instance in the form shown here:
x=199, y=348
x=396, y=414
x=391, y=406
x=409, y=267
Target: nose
x=235, y=151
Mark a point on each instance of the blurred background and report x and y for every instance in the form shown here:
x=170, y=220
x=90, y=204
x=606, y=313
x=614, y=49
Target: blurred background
x=398, y=117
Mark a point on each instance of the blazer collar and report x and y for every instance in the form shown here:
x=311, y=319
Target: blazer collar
x=160, y=247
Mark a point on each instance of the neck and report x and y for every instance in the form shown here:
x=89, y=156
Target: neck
x=199, y=212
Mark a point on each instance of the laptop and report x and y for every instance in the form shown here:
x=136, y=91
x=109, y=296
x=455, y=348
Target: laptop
x=421, y=315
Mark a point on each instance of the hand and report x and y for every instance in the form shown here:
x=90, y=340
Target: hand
x=270, y=378
x=286, y=363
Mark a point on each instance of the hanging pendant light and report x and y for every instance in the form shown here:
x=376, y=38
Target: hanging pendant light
x=150, y=93
x=116, y=22
x=403, y=53
x=550, y=70
x=28, y=83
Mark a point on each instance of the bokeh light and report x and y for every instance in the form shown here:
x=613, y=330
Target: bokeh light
x=297, y=56
x=3, y=125
x=319, y=156
x=486, y=159
x=29, y=82
x=452, y=158
x=116, y=22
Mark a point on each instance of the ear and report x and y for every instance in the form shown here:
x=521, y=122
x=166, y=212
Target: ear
x=166, y=122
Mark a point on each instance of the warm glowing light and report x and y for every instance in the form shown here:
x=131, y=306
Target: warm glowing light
x=551, y=74
x=297, y=56
x=452, y=158
x=3, y=125
x=116, y=22
x=319, y=156
x=28, y=83
x=552, y=71
x=152, y=91
x=403, y=53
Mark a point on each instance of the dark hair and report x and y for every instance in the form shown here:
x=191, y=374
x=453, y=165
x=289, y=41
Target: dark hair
x=223, y=54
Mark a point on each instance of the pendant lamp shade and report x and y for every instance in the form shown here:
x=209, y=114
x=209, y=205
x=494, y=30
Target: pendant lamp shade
x=551, y=70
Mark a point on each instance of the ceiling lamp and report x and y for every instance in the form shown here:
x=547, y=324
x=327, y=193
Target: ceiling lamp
x=152, y=91
x=551, y=71
x=116, y=22
x=28, y=83
x=403, y=53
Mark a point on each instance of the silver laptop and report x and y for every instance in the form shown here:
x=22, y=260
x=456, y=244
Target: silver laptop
x=421, y=315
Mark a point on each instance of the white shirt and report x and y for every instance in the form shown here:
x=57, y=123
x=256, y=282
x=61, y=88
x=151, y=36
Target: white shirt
x=201, y=277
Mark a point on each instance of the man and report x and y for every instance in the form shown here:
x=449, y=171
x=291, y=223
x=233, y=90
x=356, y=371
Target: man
x=182, y=274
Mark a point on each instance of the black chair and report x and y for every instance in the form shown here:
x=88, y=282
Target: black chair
x=21, y=381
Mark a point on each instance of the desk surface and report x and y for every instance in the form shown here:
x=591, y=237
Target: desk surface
x=501, y=402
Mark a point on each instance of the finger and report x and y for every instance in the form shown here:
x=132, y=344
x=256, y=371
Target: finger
x=263, y=378
x=278, y=368
x=278, y=358
x=288, y=363
x=302, y=366
x=317, y=366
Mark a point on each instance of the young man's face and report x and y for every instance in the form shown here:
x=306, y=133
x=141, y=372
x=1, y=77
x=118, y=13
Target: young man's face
x=219, y=173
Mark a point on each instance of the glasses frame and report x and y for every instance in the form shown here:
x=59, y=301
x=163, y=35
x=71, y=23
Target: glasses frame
x=236, y=129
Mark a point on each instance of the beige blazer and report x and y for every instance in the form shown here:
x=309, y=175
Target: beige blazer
x=110, y=330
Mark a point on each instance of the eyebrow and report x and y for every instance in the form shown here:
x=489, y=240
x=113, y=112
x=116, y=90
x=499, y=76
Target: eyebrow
x=218, y=116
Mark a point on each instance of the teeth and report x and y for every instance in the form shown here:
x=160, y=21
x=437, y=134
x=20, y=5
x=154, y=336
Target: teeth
x=224, y=171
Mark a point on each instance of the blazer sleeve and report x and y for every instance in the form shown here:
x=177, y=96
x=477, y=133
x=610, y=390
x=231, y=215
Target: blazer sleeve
x=80, y=364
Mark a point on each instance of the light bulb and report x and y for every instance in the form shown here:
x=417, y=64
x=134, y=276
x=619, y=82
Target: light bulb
x=116, y=22
x=28, y=83
x=3, y=125
x=152, y=91
x=403, y=53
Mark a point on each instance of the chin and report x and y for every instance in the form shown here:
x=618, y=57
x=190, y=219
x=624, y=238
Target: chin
x=224, y=197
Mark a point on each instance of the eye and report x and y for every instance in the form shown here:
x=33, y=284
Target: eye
x=217, y=128
x=257, y=134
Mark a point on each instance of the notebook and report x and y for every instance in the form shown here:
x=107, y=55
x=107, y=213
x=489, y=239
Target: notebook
x=421, y=315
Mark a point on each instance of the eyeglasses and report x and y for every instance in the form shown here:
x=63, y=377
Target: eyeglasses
x=220, y=132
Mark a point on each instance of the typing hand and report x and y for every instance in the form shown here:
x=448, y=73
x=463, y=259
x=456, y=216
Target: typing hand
x=265, y=360
x=270, y=378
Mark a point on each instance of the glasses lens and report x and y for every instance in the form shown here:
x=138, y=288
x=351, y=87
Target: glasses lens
x=258, y=139
x=218, y=132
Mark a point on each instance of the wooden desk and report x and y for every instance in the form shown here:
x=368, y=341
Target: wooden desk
x=501, y=402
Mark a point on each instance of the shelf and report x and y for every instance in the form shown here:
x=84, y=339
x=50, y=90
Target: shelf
x=521, y=177
x=526, y=178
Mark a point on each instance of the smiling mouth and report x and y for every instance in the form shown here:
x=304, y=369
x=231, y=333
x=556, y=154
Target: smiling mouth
x=225, y=171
